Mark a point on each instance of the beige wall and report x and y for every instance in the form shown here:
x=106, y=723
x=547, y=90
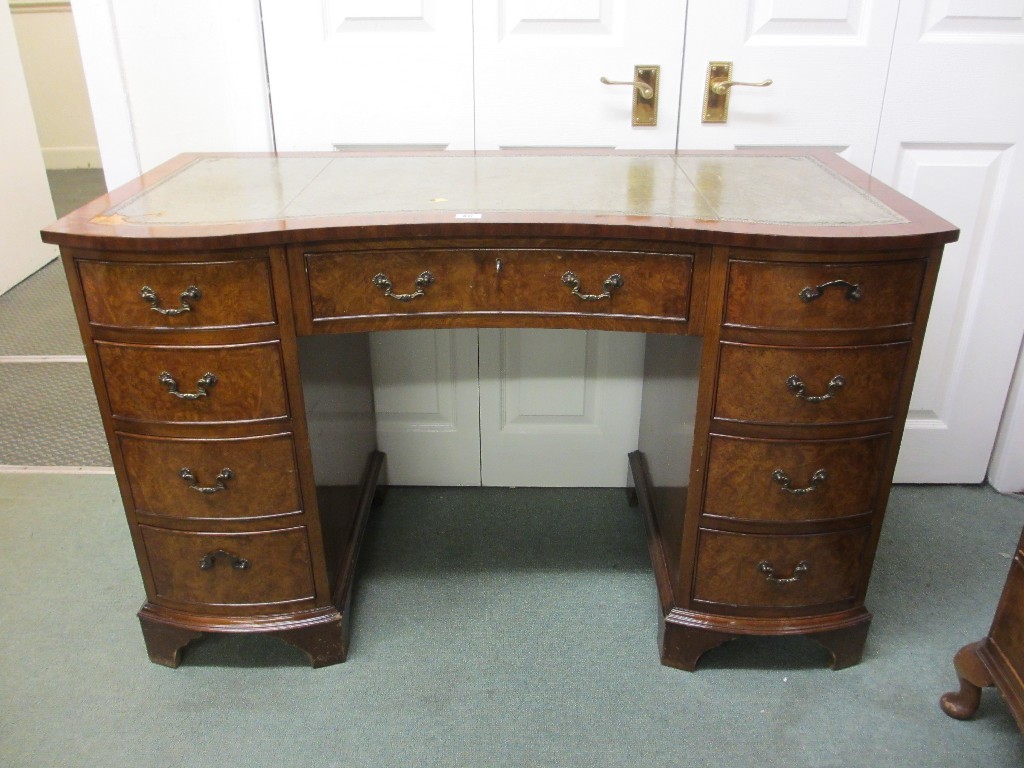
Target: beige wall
x=53, y=71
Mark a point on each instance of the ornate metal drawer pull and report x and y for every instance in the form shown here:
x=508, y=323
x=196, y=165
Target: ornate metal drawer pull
x=204, y=383
x=785, y=484
x=381, y=281
x=189, y=477
x=611, y=283
x=769, y=572
x=192, y=293
x=798, y=388
x=207, y=561
x=853, y=291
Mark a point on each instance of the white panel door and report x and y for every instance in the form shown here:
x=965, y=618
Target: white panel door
x=427, y=405
x=389, y=74
x=563, y=407
x=359, y=74
x=539, y=64
x=558, y=407
x=951, y=137
x=827, y=59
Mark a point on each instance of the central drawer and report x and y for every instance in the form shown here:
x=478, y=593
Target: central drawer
x=613, y=283
x=176, y=384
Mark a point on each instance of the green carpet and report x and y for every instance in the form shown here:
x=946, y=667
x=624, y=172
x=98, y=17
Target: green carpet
x=491, y=628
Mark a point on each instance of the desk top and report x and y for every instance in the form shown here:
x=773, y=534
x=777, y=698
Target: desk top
x=741, y=197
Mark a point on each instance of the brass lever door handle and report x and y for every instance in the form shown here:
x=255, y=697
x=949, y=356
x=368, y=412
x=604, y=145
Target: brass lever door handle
x=643, y=88
x=723, y=85
x=717, y=85
x=645, y=93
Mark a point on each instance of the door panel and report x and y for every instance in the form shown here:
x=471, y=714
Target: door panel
x=358, y=74
x=828, y=62
x=539, y=67
x=966, y=166
x=558, y=407
x=426, y=400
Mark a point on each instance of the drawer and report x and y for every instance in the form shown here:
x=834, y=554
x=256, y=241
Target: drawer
x=779, y=571
x=793, y=480
x=212, y=479
x=823, y=296
x=151, y=383
x=809, y=385
x=617, y=283
x=229, y=569
x=214, y=294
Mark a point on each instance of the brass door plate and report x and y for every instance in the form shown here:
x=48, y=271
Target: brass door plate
x=716, y=105
x=645, y=110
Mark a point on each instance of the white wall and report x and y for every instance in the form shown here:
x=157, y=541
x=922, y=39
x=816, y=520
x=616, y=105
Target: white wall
x=56, y=86
x=172, y=76
x=25, y=205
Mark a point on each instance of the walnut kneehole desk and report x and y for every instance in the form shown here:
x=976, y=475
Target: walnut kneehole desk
x=804, y=283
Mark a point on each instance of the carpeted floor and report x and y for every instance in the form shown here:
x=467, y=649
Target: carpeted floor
x=539, y=650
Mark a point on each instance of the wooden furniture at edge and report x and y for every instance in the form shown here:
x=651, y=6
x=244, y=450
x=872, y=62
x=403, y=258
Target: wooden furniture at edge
x=811, y=338
x=998, y=658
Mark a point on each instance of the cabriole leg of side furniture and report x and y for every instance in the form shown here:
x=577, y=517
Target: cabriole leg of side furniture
x=164, y=642
x=973, y=677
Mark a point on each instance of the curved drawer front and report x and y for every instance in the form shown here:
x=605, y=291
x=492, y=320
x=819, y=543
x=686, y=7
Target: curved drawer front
x=617, y=283
x=229, y=569
x=779, y=571
x=809, y=385
x=194, y=384
x=212, y=479
x=793, y=480
x=212, y=294
x=785, y=296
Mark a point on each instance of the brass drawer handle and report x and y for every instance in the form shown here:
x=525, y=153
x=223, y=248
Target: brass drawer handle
x=207, y=561
x=204, y=383
x=189, y=477
x=611, y=283
x=853, y=291
x=769, y=572
x=785, y=484
x=192, y=293
x=381, y=281
x=798, y=388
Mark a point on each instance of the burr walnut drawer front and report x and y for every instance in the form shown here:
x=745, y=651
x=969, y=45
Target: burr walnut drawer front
x=809, y=385
x=793, y=480
x=229, y=568
x=201, y=294
x=614, y=283
x=777, y=571
x=796, y=296
x=212, y=479
x=244, y=382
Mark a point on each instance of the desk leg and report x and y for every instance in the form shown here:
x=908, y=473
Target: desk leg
x=165, y=642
